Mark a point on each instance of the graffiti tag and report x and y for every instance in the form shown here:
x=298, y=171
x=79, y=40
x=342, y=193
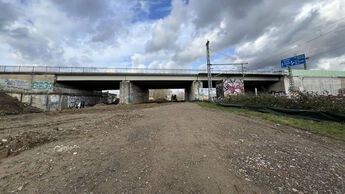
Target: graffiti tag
x=42, y=85
x=233, y=87
x=11, y=83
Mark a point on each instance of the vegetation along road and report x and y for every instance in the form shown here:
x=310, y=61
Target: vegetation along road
x=164, y=148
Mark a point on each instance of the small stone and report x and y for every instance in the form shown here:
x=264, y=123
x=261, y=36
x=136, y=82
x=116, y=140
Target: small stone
x=20, y=188
x=4, y=140
x=4, y=153
x=294, y=190
x=74, y=153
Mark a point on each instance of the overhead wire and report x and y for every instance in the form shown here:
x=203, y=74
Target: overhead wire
x=299, y=45
x=304, y=43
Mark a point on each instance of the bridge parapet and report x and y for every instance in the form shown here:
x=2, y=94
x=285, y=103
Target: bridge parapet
x=111, y=70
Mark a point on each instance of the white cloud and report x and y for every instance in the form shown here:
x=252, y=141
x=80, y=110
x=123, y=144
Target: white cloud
x=337, y=63
x=108, y=33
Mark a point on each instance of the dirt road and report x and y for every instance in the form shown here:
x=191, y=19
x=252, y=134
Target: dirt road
x=164, y=148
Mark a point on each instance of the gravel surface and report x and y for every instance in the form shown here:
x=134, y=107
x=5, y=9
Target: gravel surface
x=163, y=148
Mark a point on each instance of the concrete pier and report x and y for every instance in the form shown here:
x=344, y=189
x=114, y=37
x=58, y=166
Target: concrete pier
x=133, y=93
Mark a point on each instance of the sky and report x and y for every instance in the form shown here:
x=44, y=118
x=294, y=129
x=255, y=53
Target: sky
x=171, y=34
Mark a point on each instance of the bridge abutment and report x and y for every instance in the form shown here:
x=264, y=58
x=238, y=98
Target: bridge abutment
x=42, y=91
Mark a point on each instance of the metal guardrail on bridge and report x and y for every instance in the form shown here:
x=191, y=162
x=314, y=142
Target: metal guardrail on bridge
x=111, y=70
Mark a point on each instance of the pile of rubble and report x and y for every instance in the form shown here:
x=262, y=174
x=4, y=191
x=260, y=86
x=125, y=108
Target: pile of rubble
x=10, y=106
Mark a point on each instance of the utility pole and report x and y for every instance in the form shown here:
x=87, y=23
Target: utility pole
x=291, y=80
x=209, y=74
x=208, y=70
x=305, y=64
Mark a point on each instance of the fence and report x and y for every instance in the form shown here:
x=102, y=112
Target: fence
x=64, y=69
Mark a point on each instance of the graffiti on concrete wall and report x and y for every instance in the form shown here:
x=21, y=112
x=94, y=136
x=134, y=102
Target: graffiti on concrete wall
x=203, y=93
x=79, y=101
x=72, y=101
x=233, y=87
x=12, y=83
x=42, y=85
x=23, y=84
x=54, y=100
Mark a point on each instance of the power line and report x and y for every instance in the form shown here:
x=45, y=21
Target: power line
x=304, y=43
x=328, y=50
x=299, y=45
x=315, y=38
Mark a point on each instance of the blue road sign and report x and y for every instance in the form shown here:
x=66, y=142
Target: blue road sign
x=296, y=60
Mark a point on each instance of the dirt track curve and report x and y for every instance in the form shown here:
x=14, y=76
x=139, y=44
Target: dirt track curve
x=164, y=148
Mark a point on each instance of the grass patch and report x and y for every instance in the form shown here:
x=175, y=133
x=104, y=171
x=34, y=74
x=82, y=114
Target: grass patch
x=330, y=129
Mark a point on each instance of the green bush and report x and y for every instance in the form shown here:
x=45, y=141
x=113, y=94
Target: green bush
x=303, y=101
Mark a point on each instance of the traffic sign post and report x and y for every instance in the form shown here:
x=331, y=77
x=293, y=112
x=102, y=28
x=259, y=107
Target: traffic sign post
x=292, y=61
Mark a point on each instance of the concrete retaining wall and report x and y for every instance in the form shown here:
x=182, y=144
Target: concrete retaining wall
x=320, y=85
x=25, y=83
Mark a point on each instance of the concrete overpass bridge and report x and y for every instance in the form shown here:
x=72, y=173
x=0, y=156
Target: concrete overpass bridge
x=133, y=84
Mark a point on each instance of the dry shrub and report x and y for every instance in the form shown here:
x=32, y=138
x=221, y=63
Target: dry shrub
x=303, y=101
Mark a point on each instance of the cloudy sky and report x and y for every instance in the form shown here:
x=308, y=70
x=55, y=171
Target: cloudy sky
x=172, y=33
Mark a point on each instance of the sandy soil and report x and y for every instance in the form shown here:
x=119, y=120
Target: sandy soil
x=163, y=148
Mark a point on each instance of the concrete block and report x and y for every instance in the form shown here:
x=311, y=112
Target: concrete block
x=39, y=101
x=26, y=98
x=54, y=102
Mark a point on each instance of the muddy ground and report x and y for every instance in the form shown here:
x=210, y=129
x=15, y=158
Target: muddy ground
x=163, y=148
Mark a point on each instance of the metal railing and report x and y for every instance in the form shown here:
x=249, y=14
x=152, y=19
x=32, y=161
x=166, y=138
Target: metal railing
x=112, y=70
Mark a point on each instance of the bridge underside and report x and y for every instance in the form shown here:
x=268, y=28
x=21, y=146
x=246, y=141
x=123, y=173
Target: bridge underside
x=138, y=91
x=92, y=85
x=57, y=91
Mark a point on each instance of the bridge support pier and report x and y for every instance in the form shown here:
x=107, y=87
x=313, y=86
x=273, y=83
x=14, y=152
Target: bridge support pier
x=193, y=91
x=132, y=93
